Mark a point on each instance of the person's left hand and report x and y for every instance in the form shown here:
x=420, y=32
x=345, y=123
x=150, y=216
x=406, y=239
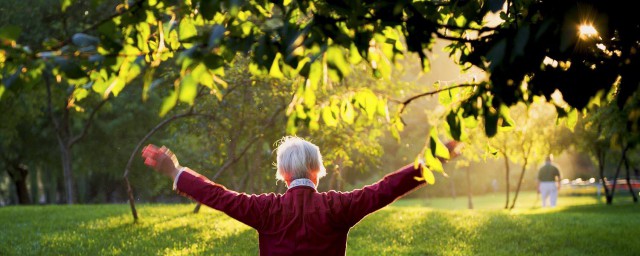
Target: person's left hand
x=162, y=160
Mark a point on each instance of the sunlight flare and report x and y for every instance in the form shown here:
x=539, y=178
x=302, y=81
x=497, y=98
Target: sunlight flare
x=587, y=31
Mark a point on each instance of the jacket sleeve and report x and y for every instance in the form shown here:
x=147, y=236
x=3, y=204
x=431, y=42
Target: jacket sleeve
x=358, y=203
x=248, y=209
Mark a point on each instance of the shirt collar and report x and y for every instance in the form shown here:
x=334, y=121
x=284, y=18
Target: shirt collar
x=302, y=182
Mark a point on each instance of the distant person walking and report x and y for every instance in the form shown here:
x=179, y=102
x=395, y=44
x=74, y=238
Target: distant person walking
x=549, y=182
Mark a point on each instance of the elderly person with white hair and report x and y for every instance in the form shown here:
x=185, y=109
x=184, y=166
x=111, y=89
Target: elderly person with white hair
x=302, y=221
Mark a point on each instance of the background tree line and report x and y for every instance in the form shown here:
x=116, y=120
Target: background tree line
x=74, y=75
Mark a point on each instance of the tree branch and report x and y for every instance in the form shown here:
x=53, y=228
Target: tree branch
x=88, y=123
x=151, y=132
x=406, y=102
x=458, y=39
x=45, y=77
x=135, y=6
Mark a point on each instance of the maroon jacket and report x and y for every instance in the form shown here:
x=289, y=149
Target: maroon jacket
x=301, y=221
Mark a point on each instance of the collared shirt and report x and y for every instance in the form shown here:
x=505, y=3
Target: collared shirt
x=301, y=221
x=302, y=182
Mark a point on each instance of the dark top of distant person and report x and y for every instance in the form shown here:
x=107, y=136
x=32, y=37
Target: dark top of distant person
x=548, y=172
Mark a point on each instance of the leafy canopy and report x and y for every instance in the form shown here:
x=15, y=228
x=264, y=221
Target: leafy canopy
x=536, y=48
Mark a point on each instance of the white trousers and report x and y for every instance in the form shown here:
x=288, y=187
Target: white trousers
x=548, y=190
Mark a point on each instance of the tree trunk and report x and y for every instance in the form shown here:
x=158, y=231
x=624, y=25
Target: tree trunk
x=506, y=164
x=601, y=161
x=515, y=197
x=18, y=174
x=35, y=189
x=469, y=196
x=131, y=202
x=23, y=192
x=615, y=178
x=59, y=190
x=68, y=174
x=633, y=193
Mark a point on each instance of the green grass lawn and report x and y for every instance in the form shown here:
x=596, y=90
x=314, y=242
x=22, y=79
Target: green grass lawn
x=578, y=226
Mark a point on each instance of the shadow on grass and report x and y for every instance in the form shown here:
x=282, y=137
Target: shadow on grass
x=576, y=230
x=109, y=230
x=172, y=230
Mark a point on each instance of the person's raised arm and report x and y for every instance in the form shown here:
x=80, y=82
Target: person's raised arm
x=356, y=204
x=248, y=209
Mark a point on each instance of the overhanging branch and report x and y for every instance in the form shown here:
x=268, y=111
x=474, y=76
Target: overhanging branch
x=406, y=102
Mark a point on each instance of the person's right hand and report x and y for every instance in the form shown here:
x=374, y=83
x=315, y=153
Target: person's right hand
x=161, y=160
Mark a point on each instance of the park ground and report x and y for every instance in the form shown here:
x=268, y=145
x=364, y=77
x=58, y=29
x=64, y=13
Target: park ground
x=580, y=225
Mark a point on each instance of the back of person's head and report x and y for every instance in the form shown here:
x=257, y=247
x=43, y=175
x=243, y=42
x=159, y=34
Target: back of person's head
x=298, y=158
x=549, y=158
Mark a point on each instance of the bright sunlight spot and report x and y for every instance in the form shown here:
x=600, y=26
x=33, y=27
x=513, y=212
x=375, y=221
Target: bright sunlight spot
x=587, y=31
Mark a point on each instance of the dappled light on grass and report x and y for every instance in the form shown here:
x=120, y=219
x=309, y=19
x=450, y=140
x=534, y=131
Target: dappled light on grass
x=589, y=230
x=108, y=230
x=495, y=201
x=575, y=228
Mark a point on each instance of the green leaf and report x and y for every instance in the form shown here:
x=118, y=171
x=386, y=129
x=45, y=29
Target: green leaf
x=115, y=86
x=347, y=113
x=309, y=97
x=100, y=85
x=426, y=64
x=455, y=126
x=336, y=60
x=370, y=103
x=291, y=123
x=315, y=74
x=65, y=4
x=432, y=162
x=445, y=97
x=417, y=163
x=80, y=93
x=146, y=83
x=2, y=89
x=188, y=89
x=234, y=7
x=300, y=113
x=470, y=122
x=437, y=147
x=572, y=119
x=492, y=150
x=275, y=71
x=135, y=69
x=328, y=117
x=428, y=176
x=10, y=32
x=507, y=122
x=187, y=29
x=354, y=55
x=383, y=109
x=286, y=2
x=168, y=103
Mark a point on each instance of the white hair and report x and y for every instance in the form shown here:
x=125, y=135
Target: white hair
x=298, y=158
